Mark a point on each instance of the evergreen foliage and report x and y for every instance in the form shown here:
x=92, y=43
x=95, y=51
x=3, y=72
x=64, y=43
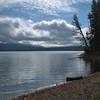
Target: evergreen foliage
x=79, y=30
x=94, y=17
x=92, y=39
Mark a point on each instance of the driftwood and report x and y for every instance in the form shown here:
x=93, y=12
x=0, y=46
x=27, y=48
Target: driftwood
x=73, y=78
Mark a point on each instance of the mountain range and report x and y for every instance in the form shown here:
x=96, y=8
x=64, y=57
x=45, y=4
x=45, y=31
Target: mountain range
x=25, y=47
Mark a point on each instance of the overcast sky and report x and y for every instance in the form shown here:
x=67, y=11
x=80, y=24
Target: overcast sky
x=41, y=22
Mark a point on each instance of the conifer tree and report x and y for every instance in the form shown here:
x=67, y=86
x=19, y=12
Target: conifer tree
x=79, y=29
x=94, y=17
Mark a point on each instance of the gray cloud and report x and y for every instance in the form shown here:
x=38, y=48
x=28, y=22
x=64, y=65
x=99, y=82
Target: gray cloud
x=46, y=33
x=58, y=29
x=7, y=27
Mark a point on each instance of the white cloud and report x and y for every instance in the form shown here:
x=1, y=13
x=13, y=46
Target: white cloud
x=46, y=6
x=47, y=2
x=46, y=33
x=58, y=29
x=85, y=29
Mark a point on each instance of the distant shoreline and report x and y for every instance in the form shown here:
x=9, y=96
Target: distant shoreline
x=76, y=90
x=36, y=50
x=20, y=47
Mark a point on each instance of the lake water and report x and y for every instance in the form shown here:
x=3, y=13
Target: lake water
x=23, y=72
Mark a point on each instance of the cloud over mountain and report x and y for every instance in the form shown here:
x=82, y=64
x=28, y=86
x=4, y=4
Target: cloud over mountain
x=54, y=32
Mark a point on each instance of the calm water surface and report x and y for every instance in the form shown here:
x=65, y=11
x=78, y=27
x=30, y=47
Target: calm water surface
x=22, y=72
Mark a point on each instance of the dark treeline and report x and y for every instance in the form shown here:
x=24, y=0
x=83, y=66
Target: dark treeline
x=94, y=17
x=92, y=39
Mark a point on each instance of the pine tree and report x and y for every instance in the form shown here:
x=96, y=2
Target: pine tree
x=94, y=18
x=92, y=39
x=79, y=30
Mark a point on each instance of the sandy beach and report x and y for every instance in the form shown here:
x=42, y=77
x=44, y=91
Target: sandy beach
x=84, y=89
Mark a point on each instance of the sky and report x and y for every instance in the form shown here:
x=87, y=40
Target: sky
x=42, y=22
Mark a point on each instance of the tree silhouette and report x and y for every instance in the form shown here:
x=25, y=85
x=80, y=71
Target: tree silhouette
x=92, y=39
x=94, y=17
x=79, y=30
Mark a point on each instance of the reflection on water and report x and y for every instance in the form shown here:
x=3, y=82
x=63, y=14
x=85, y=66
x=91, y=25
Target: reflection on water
x=22, y=71
x=94, y=64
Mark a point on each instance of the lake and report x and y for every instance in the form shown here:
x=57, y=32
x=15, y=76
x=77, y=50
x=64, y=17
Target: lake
x=23, y=72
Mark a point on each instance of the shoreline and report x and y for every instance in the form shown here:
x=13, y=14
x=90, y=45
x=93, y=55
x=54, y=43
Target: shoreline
x=83, y=89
